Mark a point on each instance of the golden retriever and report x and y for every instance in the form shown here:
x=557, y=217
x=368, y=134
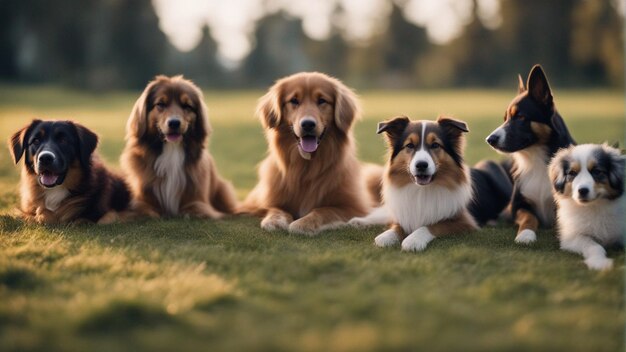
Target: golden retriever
x=311, y=180
x=170, y=171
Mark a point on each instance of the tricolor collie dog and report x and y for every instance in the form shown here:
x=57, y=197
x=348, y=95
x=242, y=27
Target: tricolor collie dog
x=427, y=188
x=63, y=179
x=169, y=169
x=532, y=133
x=588, y=184
x=311, y=180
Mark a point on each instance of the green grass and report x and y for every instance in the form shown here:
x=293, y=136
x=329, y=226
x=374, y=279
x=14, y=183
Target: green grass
x=227, y=285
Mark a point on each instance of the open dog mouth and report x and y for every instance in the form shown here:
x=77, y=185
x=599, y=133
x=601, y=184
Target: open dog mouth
x=49, y=179
x=309, y=143
x=171, y=137
x=422, y=179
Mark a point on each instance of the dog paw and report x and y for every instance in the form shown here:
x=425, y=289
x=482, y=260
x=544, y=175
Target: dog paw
x=358, y=222
x=304, y=226
x=109, y=218
x=418, y=240
x=387, y=239
x=274, y=223
x=599, y=263
x=526, y=237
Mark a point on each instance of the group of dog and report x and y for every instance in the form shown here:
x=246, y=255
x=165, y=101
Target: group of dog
x=311, y=179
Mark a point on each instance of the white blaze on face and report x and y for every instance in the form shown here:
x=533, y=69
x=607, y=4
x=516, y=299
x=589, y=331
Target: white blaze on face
x=422, y=155
x=583, y=180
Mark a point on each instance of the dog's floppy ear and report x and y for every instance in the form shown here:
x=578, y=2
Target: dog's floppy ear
x=137, y=124
x=269, y=108
x=557, y=170
x=617, y=168
x=520, y=85
x=394, y=127
x=538, y=86
x=346, y=107
x=17, y=142
x=452, y=126
x=202, y=127
x=87, y=143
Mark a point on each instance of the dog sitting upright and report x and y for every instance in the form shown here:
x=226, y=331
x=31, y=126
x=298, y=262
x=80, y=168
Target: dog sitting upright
x=533, y=131
x=588, y=183
x=62, y=179
x=170, y=172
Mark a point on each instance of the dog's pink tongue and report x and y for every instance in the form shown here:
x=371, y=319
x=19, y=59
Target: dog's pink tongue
x=308, y=144
x=49, y=179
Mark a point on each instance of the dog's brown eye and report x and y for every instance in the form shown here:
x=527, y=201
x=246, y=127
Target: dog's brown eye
x=187, y=107
x=435, y=145
x=160, y=105
x=321, y=101
x=596, y=172
x=410, y=146
x=294, y=101
x=572, y=173
x=35, y=142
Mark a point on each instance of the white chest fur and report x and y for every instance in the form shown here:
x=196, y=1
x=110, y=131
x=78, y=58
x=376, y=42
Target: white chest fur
x=534, y=183
x=414, y=206
x=171, y=179
x=54, y=196
x=603, y=219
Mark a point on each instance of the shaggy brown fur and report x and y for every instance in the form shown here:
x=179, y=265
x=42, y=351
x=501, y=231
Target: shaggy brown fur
x=169, y=168
x=305, y=190
x=88, y=192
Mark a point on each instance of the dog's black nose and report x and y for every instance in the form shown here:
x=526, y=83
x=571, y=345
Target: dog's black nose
x=307, y=125
x=493, y=139
x=421, y=165
x=583, y=191
x=173, y=124
x=46, y=158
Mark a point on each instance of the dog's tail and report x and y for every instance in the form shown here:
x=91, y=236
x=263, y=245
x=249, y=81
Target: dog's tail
x=493, y=187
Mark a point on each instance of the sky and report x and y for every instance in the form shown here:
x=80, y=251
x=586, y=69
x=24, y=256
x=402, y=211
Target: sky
x=233, y=22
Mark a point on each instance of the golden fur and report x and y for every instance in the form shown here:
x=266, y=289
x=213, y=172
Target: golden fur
x=306, y=192
x=160, y=187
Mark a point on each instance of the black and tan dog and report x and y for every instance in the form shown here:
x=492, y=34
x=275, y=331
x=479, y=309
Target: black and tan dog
x=532, y=132
x=63, y=179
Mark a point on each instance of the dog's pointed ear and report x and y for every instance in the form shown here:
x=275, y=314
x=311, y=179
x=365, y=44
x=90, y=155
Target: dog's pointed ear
x=557, y=170
x=538, y=86
x=269, y=107
x=87, y=143
x=17, y=142
x=520, y=84
x=346, y=107
x=559, y=127
x=137, y=124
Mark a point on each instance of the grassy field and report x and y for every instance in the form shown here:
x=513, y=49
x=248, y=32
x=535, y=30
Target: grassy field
x=227, y=285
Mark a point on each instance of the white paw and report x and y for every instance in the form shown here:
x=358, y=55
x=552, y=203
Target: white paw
x=274, y=223
x=526, y=237
x=599, y=263
x=358, y=222
x=418, y=240
x=387, y=239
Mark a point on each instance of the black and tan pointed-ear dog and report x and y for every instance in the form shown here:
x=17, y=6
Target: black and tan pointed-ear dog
x=63, y=179
x=532, y=132
x=169, y=170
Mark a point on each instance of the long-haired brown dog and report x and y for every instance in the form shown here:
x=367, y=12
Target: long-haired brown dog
x=311, y=180
x=63, y=179
x=170, y=171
